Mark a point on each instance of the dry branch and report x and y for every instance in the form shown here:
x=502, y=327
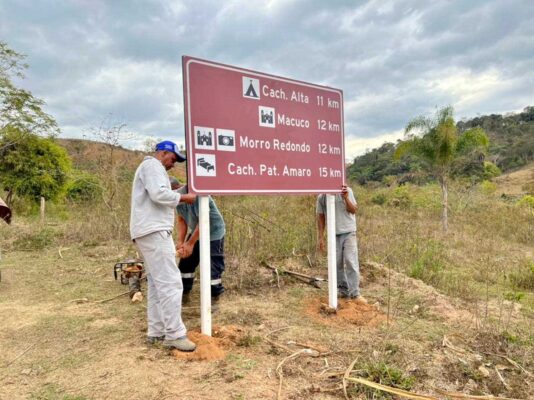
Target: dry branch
x=384, y=388
x=470, y=397
x=346, y=375
x=280, y=371
x=21, y=354
x=310, y=280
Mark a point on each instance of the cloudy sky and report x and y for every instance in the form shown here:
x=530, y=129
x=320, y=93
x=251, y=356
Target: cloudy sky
x=394, y=60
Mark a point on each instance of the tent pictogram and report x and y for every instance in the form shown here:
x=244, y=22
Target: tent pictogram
x=251, y=88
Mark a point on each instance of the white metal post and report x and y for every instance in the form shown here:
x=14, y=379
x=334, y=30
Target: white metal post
x=205, y=266
x=331, y=236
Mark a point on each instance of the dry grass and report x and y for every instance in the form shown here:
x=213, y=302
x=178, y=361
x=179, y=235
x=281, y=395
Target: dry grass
x=471, y=285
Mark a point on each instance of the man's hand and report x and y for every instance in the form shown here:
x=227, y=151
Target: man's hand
x=179, y=250
x=344, y=191
x=188, y=198
x=351, y=207
x=186, y=250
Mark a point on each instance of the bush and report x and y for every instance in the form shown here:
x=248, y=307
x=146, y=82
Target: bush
x=428, y=266
x=83, y=187
x=385, y=375
x=379, y=199
x=524, y=277
x=526, y=201
x=401, y=197
x=488, y=187
x=490, y=170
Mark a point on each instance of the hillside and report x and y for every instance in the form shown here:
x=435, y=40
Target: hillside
x=511, y=147
x=517, y=182
x=91, y=156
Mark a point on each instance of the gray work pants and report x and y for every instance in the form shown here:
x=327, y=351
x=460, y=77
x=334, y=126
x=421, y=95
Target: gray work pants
x=348, y=268
x=164, y=285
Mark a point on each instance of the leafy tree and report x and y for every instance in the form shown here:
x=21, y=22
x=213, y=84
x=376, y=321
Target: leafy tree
x=436, y=141
x=18, y=108
x=31, y=166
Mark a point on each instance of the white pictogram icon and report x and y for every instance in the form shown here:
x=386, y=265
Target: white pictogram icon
x=266, y=116
x=225, y=140
x=251, y=88
x=204, y=138
x=205, y=165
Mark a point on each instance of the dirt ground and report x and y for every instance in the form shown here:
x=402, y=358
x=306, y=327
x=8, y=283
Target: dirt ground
x=58, y=341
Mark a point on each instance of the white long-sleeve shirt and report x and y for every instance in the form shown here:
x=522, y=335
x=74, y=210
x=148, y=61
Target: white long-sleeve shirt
x=153, y=201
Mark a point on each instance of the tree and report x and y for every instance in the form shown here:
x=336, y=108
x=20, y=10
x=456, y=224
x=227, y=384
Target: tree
x=18, y=108
x=110, y=133
x=436, y=141
x=31, y=166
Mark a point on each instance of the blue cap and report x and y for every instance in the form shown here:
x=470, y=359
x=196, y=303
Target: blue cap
x=167, y=145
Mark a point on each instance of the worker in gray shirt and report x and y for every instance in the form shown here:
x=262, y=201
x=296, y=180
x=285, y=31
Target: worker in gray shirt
x=187, y=244
x=348, y=269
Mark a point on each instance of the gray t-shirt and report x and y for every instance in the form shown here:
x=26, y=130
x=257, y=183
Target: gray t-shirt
x=190, y=213
x=345, y=221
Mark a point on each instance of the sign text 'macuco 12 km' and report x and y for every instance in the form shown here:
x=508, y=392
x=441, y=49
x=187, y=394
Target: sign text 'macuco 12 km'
x=249, y=132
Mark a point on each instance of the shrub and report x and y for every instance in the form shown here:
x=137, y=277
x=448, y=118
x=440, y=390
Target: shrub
x=526, y=201
x=523, y=278
x=488, y=187
x=385, y=375
x=401, y=197
x=490, y=170
x=83, y=187
x=429, y=264
x=379, y=199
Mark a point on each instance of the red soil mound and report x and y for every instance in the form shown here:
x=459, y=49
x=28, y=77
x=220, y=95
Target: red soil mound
x=351, y=312
x=211, y=348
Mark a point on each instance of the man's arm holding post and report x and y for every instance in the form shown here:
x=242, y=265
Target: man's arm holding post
x=350, y=201
x=320, y=231
x=181, y=229
x=156, y=184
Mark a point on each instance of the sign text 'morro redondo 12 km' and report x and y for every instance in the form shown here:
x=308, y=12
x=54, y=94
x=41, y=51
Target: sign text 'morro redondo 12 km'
x=253, y=133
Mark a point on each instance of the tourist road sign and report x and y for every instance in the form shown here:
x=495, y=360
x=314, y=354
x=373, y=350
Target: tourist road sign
x=249, y=132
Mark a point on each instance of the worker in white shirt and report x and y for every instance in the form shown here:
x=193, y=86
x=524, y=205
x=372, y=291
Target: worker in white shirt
x=151, y=225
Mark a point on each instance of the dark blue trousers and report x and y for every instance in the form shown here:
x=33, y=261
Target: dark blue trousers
x=189, y=265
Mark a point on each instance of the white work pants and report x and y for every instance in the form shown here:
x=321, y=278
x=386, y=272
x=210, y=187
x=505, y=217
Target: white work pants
x=164, y=311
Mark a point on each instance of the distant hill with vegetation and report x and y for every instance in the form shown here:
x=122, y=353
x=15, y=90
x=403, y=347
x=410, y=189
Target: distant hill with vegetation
x=511, y=147
x=93, y=156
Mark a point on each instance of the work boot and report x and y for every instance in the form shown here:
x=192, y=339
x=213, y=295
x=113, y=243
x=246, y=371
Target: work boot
x=182, y=344
x=152, y=340
x=360, y=299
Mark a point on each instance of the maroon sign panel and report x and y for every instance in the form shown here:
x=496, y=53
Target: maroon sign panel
x=252, y=133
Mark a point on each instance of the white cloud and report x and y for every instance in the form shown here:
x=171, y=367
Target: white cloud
x=393, y=60
x=357, y=146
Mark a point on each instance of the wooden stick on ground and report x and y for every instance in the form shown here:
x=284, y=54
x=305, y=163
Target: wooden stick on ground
x=346, y=375
x=469, y=397
x=384, y=388
x=280, y=371
x=119, y=295
x=21, y=354
x=112, y=298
